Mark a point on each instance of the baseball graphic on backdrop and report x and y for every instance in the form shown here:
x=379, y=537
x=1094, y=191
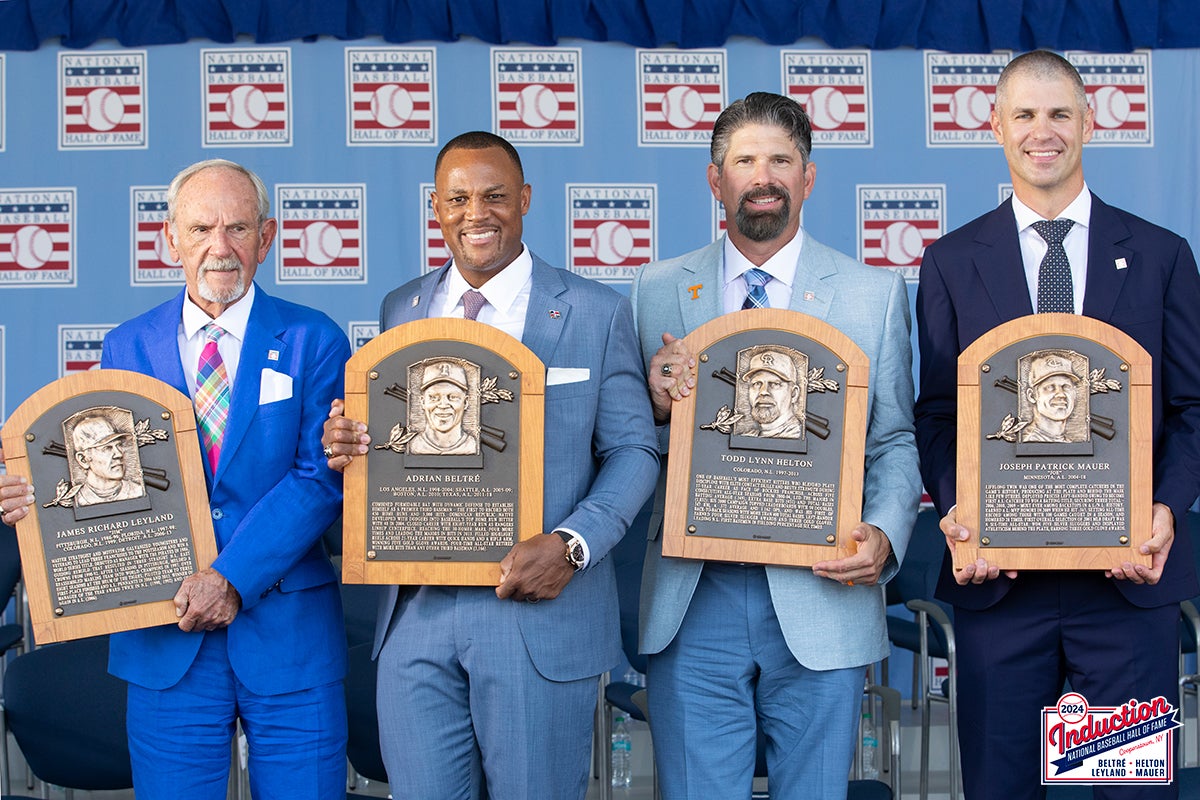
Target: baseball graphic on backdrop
x=391, y=105
x=102, y=109
x=828, y=107
x=537, y=106
x=320, y=243
x=901, y=243
x=1110, y=107
x=247, y=106
x=32, y=246
x=970, y=107
x=612, y=242
x=682, y=107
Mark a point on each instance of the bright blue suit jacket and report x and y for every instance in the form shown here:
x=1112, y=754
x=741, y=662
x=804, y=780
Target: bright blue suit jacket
x=973, y=279
x=271, y=499
x=600, y=456
x=826, y=625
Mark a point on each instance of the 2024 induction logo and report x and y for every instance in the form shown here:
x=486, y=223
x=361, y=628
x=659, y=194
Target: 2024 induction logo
x=1130, y=743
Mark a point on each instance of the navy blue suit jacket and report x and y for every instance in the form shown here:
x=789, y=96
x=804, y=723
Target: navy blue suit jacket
x=973, y=279
x=271, y=499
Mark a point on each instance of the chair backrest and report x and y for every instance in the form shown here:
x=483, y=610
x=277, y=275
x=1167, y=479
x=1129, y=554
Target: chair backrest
x=67, y=715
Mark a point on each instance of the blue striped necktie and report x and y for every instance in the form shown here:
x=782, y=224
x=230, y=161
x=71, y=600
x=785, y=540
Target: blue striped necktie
x=756, y=281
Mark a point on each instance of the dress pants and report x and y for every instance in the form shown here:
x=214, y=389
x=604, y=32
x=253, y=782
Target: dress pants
x=1014, y=657
x=179, y=738
x=459, y=699
x=728, y=670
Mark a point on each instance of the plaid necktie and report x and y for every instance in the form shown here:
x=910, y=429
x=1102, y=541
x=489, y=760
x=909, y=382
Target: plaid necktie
x=756, y=281
x=1055, y=291
x=212, y=395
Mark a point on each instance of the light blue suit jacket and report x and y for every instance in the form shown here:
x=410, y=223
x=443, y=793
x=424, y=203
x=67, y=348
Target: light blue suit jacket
x=826, y=625
x=601, y=460
x=271, y=499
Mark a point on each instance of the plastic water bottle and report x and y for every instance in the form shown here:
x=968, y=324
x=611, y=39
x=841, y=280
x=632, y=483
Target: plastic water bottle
x=622, y=768
x=870, y=748
x=633, y=677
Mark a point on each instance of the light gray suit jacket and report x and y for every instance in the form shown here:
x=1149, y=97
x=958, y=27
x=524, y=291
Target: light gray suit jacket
x=600, y=459
x=826, y=625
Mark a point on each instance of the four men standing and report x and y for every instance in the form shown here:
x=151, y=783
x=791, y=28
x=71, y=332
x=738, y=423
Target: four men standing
x=495, y=689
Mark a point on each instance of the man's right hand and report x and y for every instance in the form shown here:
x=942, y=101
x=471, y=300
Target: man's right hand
x=343, y=437
x=677, y=383
x=978, y=572
x=16, y=498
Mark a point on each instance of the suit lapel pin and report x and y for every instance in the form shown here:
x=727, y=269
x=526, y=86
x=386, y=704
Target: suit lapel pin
x=695, y=290
x=810, y=296
x=1120, y=262
x=272, y=355
x=555, y=314
x=416, y=299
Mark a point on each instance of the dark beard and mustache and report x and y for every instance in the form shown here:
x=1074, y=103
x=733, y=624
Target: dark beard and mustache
x=762, y=226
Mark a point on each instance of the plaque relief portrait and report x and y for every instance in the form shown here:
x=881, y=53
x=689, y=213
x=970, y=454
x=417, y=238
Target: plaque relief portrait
x=772, y=398
x=106, y=475
x=1054, y=415
x=445, y=419
x=1051, y=398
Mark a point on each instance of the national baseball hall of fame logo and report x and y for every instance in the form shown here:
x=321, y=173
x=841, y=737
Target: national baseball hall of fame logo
x=680, y=95
x=959, y=92
x=360, y=333
x=247, y=96
x=434, y=252
x=611, y=229
x=151, y=262
x=322, y=233
x=536, y=95
x=1132, y=743
x=834, y=86
x=1118, y=90
x=897, y=222
x=390, y=97
x=79, y=347
x=37, y=237
x=102, y=100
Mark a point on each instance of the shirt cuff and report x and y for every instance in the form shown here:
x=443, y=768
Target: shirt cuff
x=587, y=554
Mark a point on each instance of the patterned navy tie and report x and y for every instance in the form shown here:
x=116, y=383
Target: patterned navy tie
x=1055, y=291
x=756, y=280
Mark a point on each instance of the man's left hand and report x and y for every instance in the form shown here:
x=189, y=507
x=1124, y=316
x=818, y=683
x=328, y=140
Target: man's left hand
x=206, y=601
x=865, y=566
x=535, y=569
x=1158, y=547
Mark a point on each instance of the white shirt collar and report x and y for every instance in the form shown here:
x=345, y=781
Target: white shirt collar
x=781, y=266
x=233, y=320
x=501, y=290
x=1079, y=211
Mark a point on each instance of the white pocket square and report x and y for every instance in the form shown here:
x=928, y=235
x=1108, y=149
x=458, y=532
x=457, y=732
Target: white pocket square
x=273, y=387
x=559, y=375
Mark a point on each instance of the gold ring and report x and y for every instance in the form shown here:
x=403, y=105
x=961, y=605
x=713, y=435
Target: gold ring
x=665, y=369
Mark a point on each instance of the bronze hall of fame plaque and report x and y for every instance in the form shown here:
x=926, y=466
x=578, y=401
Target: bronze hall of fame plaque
x=122, y=512
x=1054, y=445
x=766, y=458
x=453, y=479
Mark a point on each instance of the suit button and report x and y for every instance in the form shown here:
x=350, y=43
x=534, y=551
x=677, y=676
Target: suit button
x=217, y=513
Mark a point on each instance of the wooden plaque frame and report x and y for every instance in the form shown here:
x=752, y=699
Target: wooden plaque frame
x=527, y=375
x=851, y=370
x=25, y=453
x=977, y=375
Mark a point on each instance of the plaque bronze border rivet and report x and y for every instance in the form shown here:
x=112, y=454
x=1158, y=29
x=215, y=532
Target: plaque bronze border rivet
x=1124, y=368
x=704, y=358
x=373, y=375
x=831, y=538
x=58, y=612
x=841, y=368
x=166, y=415
x=985, y=367
x=691, y=529
x=370, y=554
x=1123, y=539
x=513, y=375
x=985, y=541
x=29, y=437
